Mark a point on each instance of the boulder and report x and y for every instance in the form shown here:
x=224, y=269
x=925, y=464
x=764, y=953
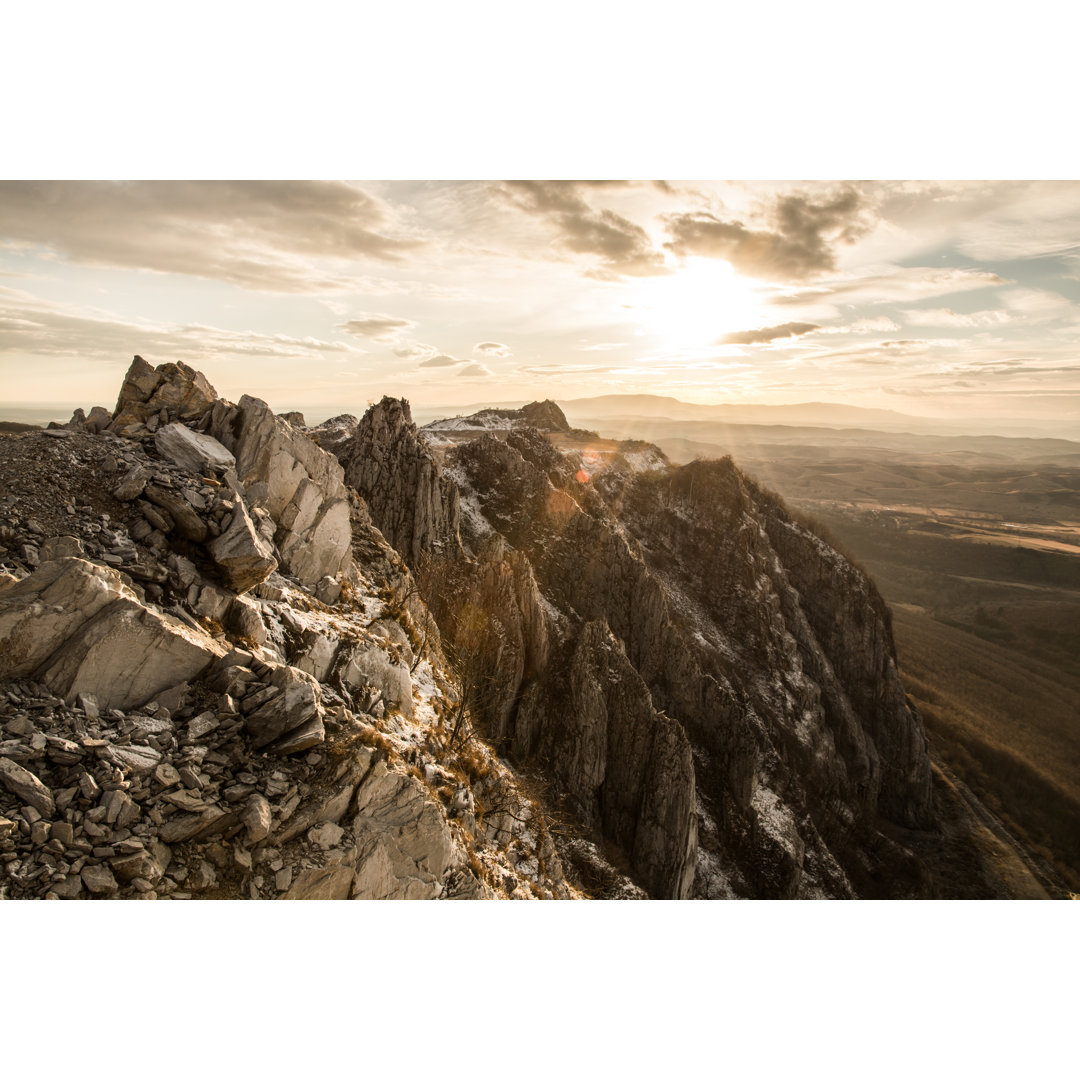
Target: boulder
x=85, y=633
x=244, y=558
x=193, y=451
x=296, y=703
x=49, y=607
x=175, y=389
x=26, y=787
x=185, y=520
x=299, y=485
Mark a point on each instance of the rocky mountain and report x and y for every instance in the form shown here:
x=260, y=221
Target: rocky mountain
x=241, y=657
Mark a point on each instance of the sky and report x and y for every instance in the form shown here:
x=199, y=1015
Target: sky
x=932, y=298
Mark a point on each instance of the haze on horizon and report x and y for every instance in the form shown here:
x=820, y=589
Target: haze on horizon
x=930, y=298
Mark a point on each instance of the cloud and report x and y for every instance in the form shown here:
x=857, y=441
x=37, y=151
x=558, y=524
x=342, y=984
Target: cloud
x=894, y=283
x=40, y=330
x=797, y=241
x=257, y=235
x=475, y=369
x=492, y=348
x=623, y=248
x=377, y=327
x=768, y=333
x=946, y=317
x=414, y=350
x=442, y=360
x=603, y=346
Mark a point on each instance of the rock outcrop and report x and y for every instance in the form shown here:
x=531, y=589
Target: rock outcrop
x=388, y=463
x=232, y=664
x=178, y=718
x=766, y=721
x=299, y=485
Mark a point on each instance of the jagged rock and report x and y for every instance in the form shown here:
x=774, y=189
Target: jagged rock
x=186, y=521
x=371, y=666
x=245, y=619
x=256, y=819
x=298, y=484
x=26, y=787
x=178, y=390
x=411, y=502
x=127, y=654
x=332, y=434
x=99, y=418
x=296, y=702
x=62, y=547
x=326, y=836
x=47, y=608
x=243, y=556
x=132, y=483
x=193, y=451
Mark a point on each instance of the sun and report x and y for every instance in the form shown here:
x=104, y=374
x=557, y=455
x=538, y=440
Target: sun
x=695, y=305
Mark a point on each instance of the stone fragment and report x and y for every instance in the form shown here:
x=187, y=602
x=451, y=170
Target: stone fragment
x=62, y=547
x=140, y=864
x=202, y=725
x=322, y=883
x=70, y=888
x=63, y=831
x=241, y=554
x=99, y=880
x=283, y=879
x=132, y=483
x=201, y=877
x=192, y=451
x=186, y=521
x=26, y=787
x=187, y=826
x=297, y=703
x=257, y=819
x=166, y=775
x=134, y=759
x=326, y=835
x=185, y=800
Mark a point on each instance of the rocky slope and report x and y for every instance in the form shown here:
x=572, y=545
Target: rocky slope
x=217, y=678
x=239, y=657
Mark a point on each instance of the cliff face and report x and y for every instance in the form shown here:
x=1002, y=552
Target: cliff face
x=236, y=664
x=393, y=470
x=712, y=687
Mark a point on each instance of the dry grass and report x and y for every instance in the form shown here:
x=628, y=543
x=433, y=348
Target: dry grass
x=1008, y=725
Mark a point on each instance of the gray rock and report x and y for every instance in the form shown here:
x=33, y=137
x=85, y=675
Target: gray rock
x=256, y=819
x=26, y=787
x=244, y=558
x=132, y=483
x=192, y=451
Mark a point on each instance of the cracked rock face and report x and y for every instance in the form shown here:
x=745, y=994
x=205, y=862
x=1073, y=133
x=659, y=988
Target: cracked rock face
x=757, y=679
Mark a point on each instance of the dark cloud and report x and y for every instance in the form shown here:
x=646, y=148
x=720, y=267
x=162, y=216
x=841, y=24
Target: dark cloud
x=378, y=327
x=768, y=333
x=624, y=249
x=255, y=234
x=492, y=348
x=798, y=241
x=442, y=360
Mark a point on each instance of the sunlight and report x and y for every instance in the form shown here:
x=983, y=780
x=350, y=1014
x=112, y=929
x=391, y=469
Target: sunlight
x=696, y=305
